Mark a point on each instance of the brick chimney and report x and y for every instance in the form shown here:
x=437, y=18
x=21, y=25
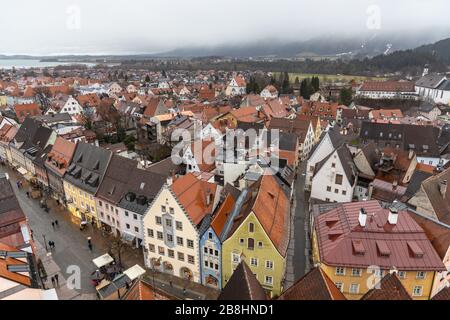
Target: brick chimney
x=443, y=188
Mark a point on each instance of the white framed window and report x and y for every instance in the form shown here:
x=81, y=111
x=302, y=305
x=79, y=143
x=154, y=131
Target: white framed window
x=421, y=275
x=158, y=220
x=340, y=286
x=235, y=258
x=340, y=271
x=356, y=272
x=402, y=274
x=254, y=262
x=417, y=291
x=268, y=280
x=269, y=264
x=354, y=288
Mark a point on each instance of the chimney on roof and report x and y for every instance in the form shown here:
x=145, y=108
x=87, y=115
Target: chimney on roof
x=362, y=217
x=393, y=215
x=443, y=188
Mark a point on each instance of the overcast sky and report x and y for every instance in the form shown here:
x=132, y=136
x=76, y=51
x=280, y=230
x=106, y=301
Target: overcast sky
x=149, y=26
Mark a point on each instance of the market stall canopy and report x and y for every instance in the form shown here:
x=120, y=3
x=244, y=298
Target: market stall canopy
x=103, y=260
x=134, y=272
x=22, y=171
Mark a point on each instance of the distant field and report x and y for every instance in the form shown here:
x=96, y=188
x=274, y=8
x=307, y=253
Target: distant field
x=324, y=78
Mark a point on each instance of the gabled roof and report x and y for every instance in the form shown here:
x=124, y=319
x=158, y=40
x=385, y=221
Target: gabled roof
x=444, y=294
x=423, y=139
x=270, y=204
x=222, y=214
x=192, y=193
x=142, y=290
x=439, y=202
x=7, y=263
x=315, y=285
x=404, y=245
x=243, y=285
x=28, y=109
x=123, y=177
x=346, y=160
x=61, y=153
x=389, y=288
x=430, y=80
x=438, y=233
x=388, y=86
x=88, y=167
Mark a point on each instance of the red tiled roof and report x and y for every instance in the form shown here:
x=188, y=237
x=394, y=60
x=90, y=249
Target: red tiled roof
x=444, y=294
x=4, y=263
x=28, y=109
x=62, y=152
x=315, y=285
x=272, y=208
x=222, y=214
x=192, y=193
x=389, y=288
x=388, y=86
x=398, y=242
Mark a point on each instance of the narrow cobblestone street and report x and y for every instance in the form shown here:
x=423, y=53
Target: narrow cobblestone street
x=298, y=252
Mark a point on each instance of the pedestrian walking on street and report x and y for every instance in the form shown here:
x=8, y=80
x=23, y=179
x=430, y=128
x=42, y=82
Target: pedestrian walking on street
x=90, y=246
x=53, y=225
x=171, y=284
x=50, y=244
x=57, y=279
x=28, y=194
x=56, y=223
x=184, y=291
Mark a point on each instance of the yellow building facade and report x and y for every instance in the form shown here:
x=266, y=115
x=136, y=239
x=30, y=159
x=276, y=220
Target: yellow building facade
x=261, y=255
x=80, y=203
x=355, y=282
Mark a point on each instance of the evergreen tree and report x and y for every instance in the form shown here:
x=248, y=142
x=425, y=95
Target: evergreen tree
x=285, y=85
x=147, y=78
x=315, y=82
x=345, y=96
x=306, y=89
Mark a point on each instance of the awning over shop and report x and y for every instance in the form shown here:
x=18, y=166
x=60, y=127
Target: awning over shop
x=103, y=260
x=22, y=171
x=134, y=272
x=128, y=237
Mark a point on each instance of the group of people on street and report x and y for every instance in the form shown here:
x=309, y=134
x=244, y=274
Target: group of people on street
x=55, y=224
x=51, y=244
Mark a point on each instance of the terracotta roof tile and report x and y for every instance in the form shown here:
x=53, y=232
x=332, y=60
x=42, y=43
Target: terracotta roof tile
x=192, y=193
x=315, y=285
x=389, y=288
x=335, y=242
